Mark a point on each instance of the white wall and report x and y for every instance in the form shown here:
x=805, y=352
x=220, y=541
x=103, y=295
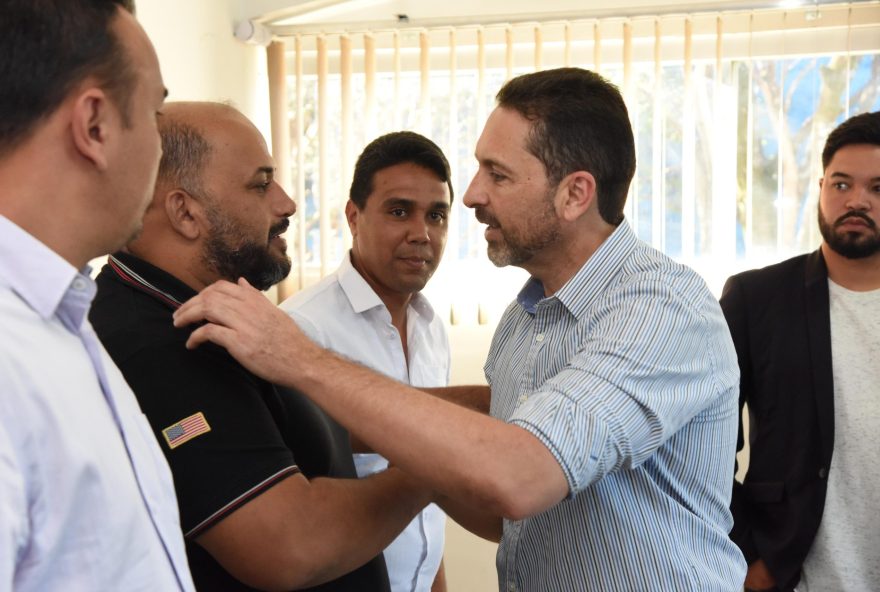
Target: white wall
x=470, y=560
x=200, y=58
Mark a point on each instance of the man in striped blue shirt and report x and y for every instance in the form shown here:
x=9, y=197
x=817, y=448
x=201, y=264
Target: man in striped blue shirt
x=606, y=460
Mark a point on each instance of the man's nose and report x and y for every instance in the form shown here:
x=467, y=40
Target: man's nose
x=474, y=195
x=285, y=206
x=417, y=231
x=859, y=199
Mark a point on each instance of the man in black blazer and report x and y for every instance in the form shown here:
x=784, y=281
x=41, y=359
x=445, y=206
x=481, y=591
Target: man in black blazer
x=799, y=517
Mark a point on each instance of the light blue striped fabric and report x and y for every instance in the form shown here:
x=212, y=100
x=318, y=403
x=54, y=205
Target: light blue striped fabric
x=628, y=375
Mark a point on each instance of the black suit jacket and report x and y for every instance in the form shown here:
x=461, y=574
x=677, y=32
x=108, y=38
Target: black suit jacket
x=780, y=323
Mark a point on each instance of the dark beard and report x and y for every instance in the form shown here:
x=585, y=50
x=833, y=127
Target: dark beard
x=849, y=244
x=250, y=260
x=520, y=249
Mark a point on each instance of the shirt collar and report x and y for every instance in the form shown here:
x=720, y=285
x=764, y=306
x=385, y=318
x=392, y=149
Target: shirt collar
x=39, y=275
x=149, y=279
x=362, y=297
x=590, y=280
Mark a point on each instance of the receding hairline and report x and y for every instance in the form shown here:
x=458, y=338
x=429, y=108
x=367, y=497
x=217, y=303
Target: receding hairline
x=201, y=114
x=214, y=124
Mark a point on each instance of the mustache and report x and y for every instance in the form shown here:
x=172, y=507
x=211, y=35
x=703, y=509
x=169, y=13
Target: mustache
x=860, y=215
x=484, y=217
x=279, y=228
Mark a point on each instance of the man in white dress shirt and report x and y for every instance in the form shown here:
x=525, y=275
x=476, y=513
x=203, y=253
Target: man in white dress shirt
x=86, y=498
x=371, y=309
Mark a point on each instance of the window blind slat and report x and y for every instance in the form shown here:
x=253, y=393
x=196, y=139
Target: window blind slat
x=323, y=149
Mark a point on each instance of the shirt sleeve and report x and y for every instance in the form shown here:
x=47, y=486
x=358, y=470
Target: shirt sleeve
x=237, y=450
x=646, y=364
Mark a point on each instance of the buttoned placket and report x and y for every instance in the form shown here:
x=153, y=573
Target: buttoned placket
x=72, y=312
x=528, y=383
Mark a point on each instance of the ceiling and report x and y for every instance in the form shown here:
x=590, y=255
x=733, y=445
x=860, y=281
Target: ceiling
x=288, y=16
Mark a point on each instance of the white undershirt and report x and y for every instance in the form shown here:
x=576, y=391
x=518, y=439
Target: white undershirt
x=846, y=552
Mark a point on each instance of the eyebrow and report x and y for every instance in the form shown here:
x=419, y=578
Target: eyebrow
x=401, y=201
x=490, y=162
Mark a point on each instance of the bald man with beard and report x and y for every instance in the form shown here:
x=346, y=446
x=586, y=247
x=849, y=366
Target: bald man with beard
x=264, y=479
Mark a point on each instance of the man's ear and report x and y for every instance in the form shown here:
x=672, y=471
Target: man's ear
x=575, y=195
x=185, y=213
x=351, y=214
x=92, y=126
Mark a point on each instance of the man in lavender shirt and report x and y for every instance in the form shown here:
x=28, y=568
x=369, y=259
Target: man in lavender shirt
x=86, y=498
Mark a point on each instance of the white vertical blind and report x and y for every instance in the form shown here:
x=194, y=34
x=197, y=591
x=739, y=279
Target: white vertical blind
x=347, y=112
x=688, y=150
x=278, y=107
x=300, y=171
x=325, y=188
x=720, y=104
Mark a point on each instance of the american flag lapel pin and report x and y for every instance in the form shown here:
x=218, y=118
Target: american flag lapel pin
x=186, y=429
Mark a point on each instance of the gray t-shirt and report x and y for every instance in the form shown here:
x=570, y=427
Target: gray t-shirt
x=846, y=552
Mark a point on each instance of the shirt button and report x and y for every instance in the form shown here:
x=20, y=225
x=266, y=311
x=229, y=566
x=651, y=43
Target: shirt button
x=523, y=398
x=539, y=337
x=511, y=587
x=79, y=284
x=823, y=472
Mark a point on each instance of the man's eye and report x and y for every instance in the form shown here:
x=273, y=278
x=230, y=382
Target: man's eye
x=496, y=177
x=438, y=216
x=398, y=212
x=841, y=186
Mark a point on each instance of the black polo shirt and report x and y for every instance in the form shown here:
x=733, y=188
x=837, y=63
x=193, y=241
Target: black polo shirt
x=227, y=434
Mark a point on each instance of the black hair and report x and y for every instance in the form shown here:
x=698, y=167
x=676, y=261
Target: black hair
x=49, y=46
x=391, y=149
x=858, y=129
x=579, y=122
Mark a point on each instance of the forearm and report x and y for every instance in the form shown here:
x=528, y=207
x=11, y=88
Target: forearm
x=456, y=451
x=468, y=456
x=356, y=519
x=483, y=524
x=474, y=397
x=302, y=533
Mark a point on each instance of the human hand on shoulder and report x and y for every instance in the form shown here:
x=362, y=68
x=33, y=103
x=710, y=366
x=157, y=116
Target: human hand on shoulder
x=254, y=331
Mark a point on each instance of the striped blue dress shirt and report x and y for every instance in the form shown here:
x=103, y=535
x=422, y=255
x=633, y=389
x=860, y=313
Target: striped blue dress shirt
x=629, y=377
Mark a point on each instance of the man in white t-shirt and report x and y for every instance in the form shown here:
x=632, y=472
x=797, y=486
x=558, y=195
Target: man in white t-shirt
x=371, y=309
x=807, y=334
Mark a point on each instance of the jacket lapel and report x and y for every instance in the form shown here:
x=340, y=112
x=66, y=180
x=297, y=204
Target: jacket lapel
x=819, y=331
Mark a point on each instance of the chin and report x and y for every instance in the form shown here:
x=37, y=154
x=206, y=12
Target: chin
x=415, y=285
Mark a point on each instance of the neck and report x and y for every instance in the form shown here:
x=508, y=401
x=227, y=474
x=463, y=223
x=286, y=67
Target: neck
x=859, y=275
x=182, y=263
x=55, y=213
x=555, y=266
